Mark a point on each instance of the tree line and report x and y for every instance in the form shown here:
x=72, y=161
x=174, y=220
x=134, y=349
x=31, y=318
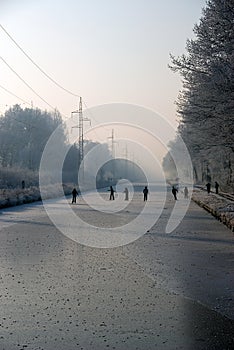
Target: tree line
x=205, y=105
x=24, y=133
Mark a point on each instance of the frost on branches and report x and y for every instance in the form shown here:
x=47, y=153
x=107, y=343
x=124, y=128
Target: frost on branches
x=205, y=105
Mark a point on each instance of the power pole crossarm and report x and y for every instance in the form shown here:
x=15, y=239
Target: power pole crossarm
x=112, y=143
x=80, y=126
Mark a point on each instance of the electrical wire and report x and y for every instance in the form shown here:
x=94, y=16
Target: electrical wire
x=92, y=117
x=36, y=65
x=26, y=83
x=53, y=108
x=11, y=93
x=43, y=72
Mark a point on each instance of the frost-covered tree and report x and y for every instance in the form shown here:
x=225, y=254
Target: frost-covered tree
x=206, y=102
x=23, y=135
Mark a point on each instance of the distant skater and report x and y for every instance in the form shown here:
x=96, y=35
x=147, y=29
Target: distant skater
x=126, y=193
x=74, y=195
x=112, y=191
x=186, y=192
x=145, y=192
x=208, y=186
x=216, y=187
x=174, y=192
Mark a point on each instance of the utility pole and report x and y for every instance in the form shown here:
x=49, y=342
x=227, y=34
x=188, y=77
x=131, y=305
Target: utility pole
x=112, y=143
x=126, y=158
x=81, y=131
x=133, y=166
x=80, y=126
x=112, y=151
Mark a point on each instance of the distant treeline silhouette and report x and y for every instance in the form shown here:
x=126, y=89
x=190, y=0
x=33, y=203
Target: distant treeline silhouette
x=23, y=136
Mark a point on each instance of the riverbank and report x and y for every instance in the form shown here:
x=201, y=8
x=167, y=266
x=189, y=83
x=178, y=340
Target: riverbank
x=14, y=197
x=220, y=207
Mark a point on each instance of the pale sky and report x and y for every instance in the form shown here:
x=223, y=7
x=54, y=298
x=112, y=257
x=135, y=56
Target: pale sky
x=106, y=51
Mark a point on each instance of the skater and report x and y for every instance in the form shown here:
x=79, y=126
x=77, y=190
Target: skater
x=208, y=186
x=216, y=187
x=145, y=192
x=112, y=191
x=74, y=194
x=186, y=192
x=174, y=192
x=126, y=193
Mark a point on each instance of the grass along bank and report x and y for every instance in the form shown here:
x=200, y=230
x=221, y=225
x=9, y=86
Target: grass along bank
x=220, y=207
x=12, y=197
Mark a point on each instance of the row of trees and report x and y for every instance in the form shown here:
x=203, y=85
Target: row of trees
x=23, y=136
x=205, y=105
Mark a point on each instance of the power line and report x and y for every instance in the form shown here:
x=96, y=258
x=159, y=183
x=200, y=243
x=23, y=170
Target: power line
x=26, y=102
x=26, y=83
x=11, y=93
x=43, y=72
x=8, y=91
x=36, y=65
x=92, y=116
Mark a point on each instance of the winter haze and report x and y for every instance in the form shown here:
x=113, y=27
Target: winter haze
x=106, y=52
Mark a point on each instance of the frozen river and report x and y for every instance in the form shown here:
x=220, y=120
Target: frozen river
x=162, y=291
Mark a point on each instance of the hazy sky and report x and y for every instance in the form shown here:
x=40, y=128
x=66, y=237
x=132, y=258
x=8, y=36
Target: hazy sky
x=106, y=51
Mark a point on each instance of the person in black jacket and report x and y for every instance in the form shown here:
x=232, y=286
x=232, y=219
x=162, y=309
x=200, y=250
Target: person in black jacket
x=174, y=192
x=145, y=192
x=216, y=187
x=112, y=191
x=74, y=194
x=208, y=186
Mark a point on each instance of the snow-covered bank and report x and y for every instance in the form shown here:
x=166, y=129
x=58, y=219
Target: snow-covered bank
x=13, y=197
x=220, y=207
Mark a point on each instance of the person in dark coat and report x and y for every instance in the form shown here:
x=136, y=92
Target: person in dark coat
x=216, y=187
x=74, y=194
x=174, y=192
x=208, y=187
x=145, y=192
x=112, y=191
